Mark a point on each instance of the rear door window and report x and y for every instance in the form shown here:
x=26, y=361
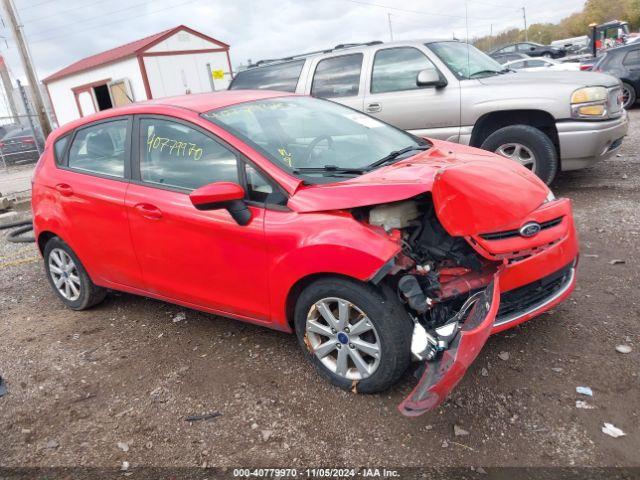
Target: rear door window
x=337, y=77
x=396, y=69
x=283, y=77
x=100, y=149
x=175, y=155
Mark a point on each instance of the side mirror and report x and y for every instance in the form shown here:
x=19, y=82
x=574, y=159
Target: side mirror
x=430, y=78
x=227, y=195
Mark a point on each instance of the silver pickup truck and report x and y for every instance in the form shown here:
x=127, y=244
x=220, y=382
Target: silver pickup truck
x=548, y=121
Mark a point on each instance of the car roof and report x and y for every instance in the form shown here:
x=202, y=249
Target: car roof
x=204, y=102
x=198, y=103
x=344, y=50
x=623, y=48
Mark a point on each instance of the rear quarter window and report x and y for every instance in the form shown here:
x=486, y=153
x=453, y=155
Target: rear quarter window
x=283, y=77
x=59, y=149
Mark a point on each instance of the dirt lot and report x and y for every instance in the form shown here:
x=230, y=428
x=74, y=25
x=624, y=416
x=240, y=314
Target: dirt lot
x=81, y=382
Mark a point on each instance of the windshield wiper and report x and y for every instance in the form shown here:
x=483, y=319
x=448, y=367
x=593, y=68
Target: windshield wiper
x=329, y=169
x=395, y=154
x=483, y=72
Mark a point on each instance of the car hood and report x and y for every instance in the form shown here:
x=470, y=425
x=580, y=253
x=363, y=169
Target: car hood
x=473, y=191
x=536, y=78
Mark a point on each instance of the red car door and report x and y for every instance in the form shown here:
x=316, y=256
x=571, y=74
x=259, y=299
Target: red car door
x=200, y=258
x=89, y=189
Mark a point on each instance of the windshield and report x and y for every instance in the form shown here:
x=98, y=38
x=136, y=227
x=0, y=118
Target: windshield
x=465, y=60
x=312, y=137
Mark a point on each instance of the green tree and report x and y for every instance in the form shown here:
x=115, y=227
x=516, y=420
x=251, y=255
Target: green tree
x=575, y=25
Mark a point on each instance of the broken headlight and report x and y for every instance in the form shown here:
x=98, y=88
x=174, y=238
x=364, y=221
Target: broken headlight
x=550, y=197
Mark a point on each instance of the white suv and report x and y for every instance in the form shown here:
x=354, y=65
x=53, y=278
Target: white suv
x=548, y=121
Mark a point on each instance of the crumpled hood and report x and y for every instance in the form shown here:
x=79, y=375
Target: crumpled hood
x=474, y=191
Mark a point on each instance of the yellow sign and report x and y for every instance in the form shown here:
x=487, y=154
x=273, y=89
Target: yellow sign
x=218, y=74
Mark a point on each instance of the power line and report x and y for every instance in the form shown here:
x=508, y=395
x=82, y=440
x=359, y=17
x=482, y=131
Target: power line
x=510, y=7
x=38, y=4
x=61, y=12
x=113, y=23
x=76, y=21
x=413, y=11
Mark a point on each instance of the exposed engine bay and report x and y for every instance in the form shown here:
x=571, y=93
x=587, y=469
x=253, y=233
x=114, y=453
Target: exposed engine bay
x=437, y=276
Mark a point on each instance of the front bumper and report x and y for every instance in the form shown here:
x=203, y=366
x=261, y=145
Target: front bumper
x=530, y=261
x=531, y=300
x=442, y=375
x=583, y=143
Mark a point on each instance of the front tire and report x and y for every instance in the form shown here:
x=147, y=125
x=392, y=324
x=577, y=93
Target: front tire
x=629, y=96
x=354, y=334
x=68, y=278
x=528, y=146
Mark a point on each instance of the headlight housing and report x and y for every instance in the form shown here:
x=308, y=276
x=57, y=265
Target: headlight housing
x=589, y=103
x=550, y=197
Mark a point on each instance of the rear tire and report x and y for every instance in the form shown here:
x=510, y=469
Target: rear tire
x=538, y=149
x=631, y=97
x=68, y=278
x=386, y=325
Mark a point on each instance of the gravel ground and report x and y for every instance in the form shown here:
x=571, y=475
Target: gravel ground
x=81, y=385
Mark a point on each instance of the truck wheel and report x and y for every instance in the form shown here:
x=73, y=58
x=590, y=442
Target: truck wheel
x=528, y=146
x=68, y=278
x=355, y=336
x=628, y=96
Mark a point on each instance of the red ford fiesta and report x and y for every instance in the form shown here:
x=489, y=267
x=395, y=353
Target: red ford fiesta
x=377, y=248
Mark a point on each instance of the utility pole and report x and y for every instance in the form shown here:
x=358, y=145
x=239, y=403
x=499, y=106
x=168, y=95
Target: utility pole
x=8, y=88
x=27, y=111
x=390, y=27
x=36, y=94
x=524, y=17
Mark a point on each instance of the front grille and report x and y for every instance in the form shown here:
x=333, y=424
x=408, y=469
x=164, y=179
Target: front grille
x=516, y=233
x=520, y=301
x=614, y=102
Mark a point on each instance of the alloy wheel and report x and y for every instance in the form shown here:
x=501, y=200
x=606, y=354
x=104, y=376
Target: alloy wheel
x=343, y=338
x=519, y=153
x=64, y=274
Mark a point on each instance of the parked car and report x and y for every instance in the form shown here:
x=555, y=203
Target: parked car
x=586, y=65
x=548, y=121
x=623, y=63
x=509, y=57
x=532, y=49
x=18, y=145
x=374, y=246
x=542, y=64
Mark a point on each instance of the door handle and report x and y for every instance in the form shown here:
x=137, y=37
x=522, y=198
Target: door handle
x=64, y=189
x=149, y=211
x=373, y=107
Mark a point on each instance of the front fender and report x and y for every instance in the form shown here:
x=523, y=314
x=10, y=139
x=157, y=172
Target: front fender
x=321, y=243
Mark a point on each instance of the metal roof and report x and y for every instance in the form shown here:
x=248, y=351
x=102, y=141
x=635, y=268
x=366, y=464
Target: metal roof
x=130, y=49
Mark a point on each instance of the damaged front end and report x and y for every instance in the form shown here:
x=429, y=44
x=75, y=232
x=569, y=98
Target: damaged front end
x=450, y=291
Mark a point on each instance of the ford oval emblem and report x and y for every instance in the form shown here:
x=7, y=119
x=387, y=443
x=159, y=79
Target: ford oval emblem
x=530, y=229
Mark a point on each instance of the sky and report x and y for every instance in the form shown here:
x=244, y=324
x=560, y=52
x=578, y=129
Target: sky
x=60, y=32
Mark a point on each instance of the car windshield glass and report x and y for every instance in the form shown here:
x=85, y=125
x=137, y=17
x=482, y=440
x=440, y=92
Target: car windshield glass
x=316, y=138
x=465, y=60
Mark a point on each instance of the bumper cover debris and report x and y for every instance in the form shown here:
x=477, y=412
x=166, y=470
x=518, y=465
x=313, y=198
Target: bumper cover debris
x=444, y=373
